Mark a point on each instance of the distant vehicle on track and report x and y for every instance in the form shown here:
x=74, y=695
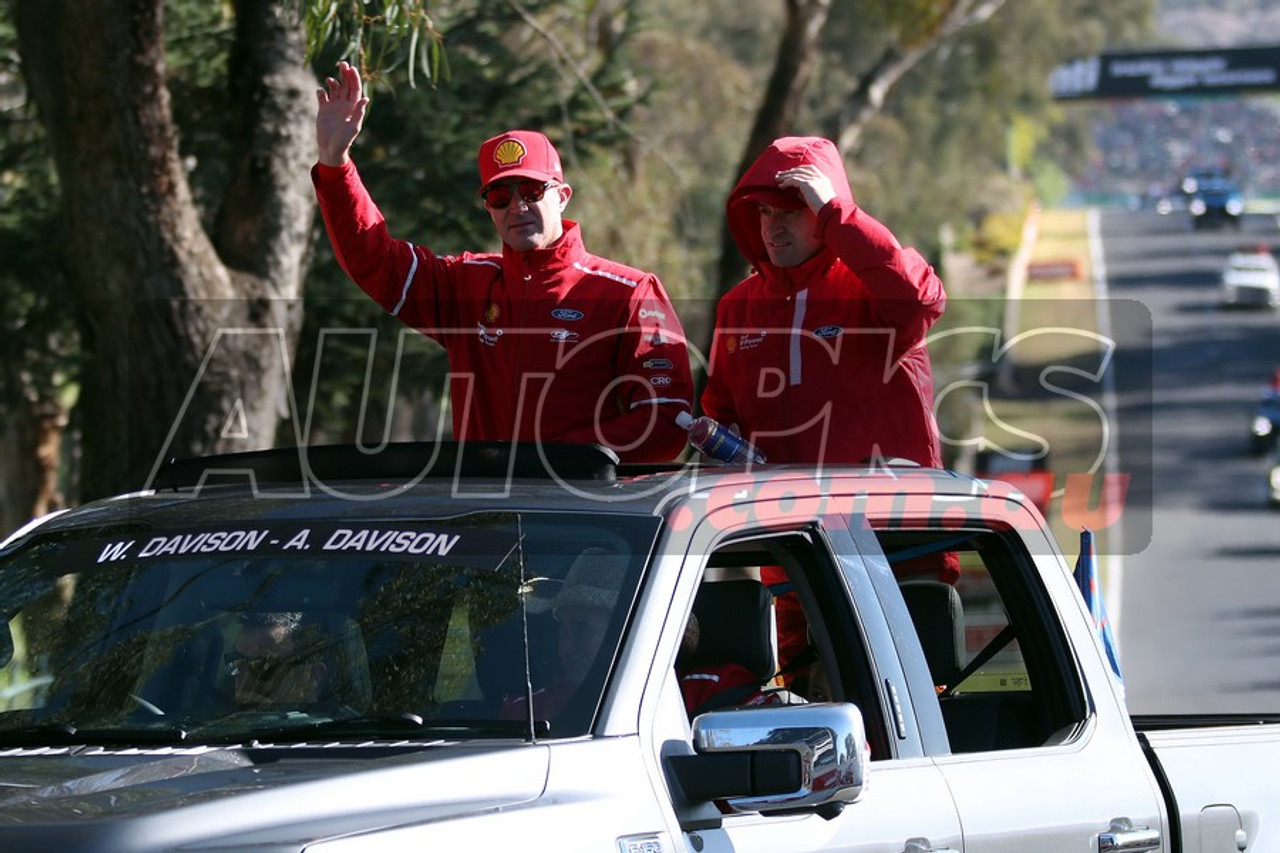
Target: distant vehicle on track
x=1251, y=278
x=1216, y=201
x=1265, y=424
x=1197, y=178
x=1265, y=427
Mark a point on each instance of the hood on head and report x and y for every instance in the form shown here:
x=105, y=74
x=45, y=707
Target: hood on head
x=758, y=185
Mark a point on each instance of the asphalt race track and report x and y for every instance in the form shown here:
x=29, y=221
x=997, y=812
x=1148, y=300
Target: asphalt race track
x=1199, y=592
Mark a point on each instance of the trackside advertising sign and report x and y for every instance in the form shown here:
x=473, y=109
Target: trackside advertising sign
x=1167, y=73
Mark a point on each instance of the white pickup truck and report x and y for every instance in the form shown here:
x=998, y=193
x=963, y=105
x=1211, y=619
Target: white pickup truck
x=486, y=648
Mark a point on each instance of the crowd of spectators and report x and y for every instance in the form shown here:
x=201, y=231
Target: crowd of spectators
x=1143, y=149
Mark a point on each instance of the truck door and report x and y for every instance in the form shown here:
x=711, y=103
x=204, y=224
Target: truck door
x=1041, y=755
x=850, y=657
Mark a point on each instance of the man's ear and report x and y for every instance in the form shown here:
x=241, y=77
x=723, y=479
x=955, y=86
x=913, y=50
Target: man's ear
x=566, y=193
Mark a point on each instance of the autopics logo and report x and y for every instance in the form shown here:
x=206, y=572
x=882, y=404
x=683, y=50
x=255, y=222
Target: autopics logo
x=888, y=498
x=1062, y=412
x=1034, y=404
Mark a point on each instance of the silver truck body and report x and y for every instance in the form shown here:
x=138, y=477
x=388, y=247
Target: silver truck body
x=1074, y=775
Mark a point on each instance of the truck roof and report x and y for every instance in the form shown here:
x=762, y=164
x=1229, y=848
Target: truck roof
x=418, y=479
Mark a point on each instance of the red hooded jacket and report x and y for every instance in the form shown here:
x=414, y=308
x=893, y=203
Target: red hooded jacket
x=826, y=361
x=553, y=344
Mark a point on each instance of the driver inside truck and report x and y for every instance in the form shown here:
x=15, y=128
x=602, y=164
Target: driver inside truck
x=583, y=610
x=275, y=661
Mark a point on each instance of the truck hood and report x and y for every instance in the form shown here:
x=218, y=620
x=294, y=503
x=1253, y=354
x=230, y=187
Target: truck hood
x=266, y=798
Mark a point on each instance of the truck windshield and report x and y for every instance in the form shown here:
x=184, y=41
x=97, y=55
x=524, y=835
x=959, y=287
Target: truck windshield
x=492, y=624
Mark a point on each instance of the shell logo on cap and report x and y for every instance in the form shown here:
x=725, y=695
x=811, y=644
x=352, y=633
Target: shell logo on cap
x=509, y=153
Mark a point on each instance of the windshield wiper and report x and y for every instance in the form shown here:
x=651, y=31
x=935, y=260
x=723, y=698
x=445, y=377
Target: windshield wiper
x=405, y=725
x=69, y=734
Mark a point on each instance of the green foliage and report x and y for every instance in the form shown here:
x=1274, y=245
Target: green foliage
x=199, y=39
x=657, y=201
x=969, y=124
x=378, y=35
x=649, y=102
x=38, y=341
x=913, y=21
x=999, y=234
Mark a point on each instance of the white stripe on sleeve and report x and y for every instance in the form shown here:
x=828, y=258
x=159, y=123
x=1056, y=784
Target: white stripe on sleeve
x=408, y=280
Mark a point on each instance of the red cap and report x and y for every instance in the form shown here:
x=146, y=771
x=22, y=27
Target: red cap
x=775, y=197
x=519, y=154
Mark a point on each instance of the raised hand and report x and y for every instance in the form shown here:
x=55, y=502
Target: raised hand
x=340, y=115
x=811, y=182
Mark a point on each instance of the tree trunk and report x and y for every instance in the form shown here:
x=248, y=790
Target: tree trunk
x=776, y=116
x=185, y=334
x=29, y=466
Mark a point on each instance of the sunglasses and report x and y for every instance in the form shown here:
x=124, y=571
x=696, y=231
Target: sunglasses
x=499, y=196
x=236, y=664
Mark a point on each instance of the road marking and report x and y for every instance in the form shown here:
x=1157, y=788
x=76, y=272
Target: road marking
x=1115, y=536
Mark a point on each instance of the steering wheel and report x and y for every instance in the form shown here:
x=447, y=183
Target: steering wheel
x=144, y=705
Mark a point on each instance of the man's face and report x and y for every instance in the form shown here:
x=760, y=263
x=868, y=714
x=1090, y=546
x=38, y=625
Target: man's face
x=790, y=236
x=582, y=630
x=265, y=672
x=525, y=223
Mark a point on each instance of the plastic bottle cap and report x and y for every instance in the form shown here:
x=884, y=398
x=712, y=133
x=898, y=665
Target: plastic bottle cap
x=683, y=419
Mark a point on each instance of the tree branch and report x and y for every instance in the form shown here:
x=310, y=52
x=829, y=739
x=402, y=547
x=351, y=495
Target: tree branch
x=867, y=99
x=579, y=74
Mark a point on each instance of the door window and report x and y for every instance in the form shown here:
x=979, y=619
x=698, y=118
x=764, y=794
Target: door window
x=808, y=647
x=1001, y=666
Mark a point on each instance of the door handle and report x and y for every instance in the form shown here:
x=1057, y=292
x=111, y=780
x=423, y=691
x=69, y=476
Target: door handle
x=1124, y=837
x=922, y=845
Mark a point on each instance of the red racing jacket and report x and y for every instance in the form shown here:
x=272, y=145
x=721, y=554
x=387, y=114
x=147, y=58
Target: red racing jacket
x=726, y=685
x=826, y=361
x=552, y=345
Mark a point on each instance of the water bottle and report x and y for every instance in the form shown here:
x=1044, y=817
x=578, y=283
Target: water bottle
x=717, y=441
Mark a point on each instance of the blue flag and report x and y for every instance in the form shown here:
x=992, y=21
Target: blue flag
x=1086, y=574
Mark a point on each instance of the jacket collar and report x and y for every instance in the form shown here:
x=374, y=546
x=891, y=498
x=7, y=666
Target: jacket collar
x=542, y=265
x=791, y=280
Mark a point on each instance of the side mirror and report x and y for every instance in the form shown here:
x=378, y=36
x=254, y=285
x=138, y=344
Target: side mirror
x=777, y=759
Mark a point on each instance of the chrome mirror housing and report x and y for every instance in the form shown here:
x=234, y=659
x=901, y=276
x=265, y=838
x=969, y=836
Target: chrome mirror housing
x=827, y=738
